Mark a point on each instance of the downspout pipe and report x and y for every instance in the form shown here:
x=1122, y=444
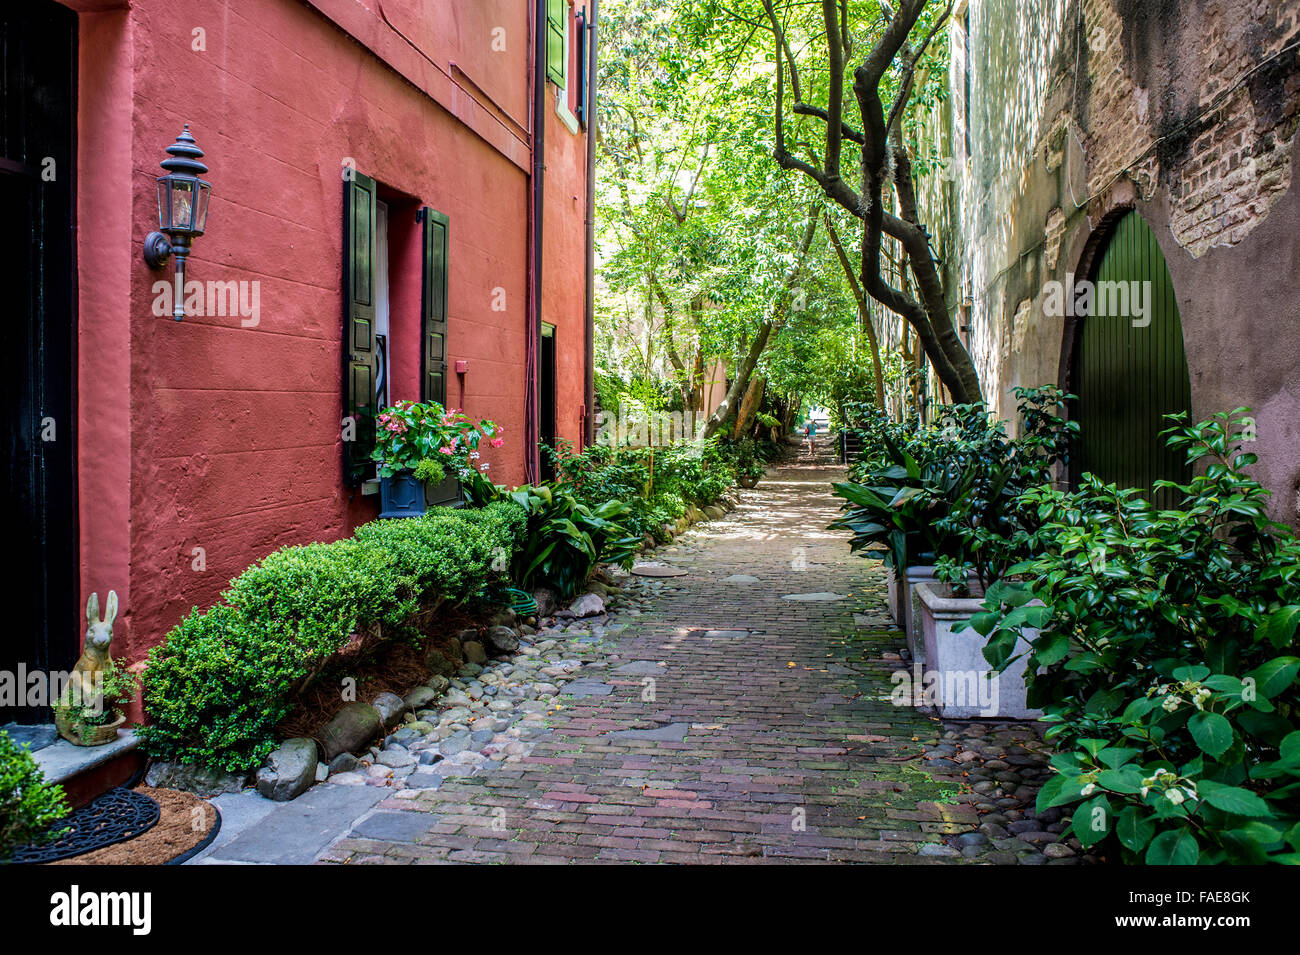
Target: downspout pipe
x=589, y=333
x=536, y=206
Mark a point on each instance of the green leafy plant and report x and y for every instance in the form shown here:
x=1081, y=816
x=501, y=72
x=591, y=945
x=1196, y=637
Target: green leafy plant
x=429, y=471
x=29, y=806
x=221, y=681
x=100, y=703
x=893, y=509
x=565, y=538
x=989, y=526
x=1166, y=660
x=952, y=493
x=425, y=438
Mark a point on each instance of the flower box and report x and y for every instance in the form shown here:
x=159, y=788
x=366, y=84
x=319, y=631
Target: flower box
x=401, y=495
x=964, y=684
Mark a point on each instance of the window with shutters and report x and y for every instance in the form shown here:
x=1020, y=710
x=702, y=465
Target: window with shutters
x=557, y=41
x=390, y=336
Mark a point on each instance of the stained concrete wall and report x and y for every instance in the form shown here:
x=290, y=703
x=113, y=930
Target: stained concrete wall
x=1185, y=111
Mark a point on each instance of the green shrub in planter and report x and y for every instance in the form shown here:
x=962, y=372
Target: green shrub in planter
x=29, y=806
x=1168, y=658
x=223, y=679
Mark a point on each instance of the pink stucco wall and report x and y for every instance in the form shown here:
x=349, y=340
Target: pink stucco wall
x=209, y=434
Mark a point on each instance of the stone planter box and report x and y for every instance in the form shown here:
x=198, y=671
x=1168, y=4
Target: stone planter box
x=100, y=735
x=897, y=596
x=910, y=620
x=965, y=685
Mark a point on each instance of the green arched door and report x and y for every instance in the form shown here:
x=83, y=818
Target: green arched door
x=1130, y=369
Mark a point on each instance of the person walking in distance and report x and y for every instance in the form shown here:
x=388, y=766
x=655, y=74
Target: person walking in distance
x=810, y=433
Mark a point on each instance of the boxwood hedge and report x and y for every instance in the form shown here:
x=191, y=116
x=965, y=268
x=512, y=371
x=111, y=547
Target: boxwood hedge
x=221, y=681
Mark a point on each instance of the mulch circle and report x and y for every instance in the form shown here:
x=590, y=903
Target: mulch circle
x=186, y=824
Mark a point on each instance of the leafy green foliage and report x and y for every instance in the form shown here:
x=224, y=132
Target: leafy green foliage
x=656, y=483
x=1167, y=658
x=221, y=681
x=414, y=436
x=952, y=493
x=565, y=538
x=29, y=806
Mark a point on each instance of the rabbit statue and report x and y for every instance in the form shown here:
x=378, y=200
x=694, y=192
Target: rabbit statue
x=85, y=682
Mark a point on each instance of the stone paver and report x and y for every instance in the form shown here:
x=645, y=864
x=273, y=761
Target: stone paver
x=739, y=726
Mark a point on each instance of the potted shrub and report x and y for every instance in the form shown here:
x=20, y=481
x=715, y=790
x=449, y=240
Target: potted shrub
x=90, y=712
x=423, y=452
x=746, y=462
x=965, y=686
x=749, y=473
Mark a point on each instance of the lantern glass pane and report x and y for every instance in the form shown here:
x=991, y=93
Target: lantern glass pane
x=183, y=204
x=164, y=206
x=201, y=207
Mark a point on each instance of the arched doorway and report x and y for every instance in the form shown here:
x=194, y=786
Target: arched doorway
x=1129, y=368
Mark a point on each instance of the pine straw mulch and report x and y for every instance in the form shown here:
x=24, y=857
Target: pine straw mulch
x=394, y=666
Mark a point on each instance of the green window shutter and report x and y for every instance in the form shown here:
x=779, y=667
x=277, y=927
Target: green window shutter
x=582, y=67
x=360, y=355
x=437, y=245
x=556, y=21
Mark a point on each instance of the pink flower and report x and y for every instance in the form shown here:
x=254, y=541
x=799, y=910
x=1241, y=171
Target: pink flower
x=444, y=450
x=496, y=442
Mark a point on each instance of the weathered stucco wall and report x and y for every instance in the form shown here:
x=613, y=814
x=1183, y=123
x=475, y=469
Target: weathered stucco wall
x=1185, y=111
x=208, y=443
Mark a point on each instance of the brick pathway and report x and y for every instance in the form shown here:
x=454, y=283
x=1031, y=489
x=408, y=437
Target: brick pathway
x=761, y=729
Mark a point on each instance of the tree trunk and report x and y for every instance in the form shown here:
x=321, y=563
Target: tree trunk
x=864, y=313
x=883, y=162
x=749, y=405
x=747, y=364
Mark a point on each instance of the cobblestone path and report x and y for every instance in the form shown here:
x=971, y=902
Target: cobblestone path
x=743, y=715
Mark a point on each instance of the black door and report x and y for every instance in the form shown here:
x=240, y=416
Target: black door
x=546, y=404
x=38, y=56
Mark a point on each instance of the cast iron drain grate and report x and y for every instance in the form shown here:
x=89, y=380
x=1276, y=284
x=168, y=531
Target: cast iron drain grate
x=114, y=817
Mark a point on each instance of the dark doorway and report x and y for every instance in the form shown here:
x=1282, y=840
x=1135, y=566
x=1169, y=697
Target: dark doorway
x=546, y=403
x=1129, y=368
x=38, y=60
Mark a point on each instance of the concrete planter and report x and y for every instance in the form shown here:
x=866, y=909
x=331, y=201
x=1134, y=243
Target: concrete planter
x=897, y=593
x=82, y=734
x=964, y=685
x=910, y=620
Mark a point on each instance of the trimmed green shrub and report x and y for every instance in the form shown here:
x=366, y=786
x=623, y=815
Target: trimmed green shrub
x=29, y=806
x=223, y=679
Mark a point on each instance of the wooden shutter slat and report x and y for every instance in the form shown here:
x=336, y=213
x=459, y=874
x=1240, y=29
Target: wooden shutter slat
x=556, y=11
x=433, y=347
x=359, y=354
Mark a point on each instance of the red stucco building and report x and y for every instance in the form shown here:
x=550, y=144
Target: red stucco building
x=429, y=160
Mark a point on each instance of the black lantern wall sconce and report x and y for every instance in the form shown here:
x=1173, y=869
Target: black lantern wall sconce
x=182, y=211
